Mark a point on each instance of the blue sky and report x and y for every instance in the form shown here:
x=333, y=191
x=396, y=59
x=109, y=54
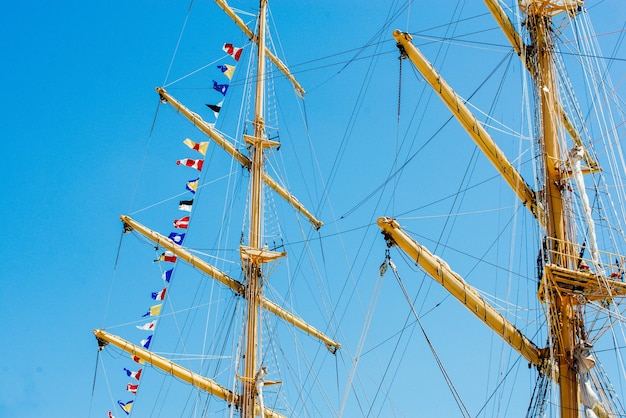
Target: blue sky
x=79, y=102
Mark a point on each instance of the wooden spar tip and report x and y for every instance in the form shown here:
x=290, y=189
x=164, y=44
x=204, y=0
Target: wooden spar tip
x=402, y=50
x=127, y=228
x=389, y=221
x=101, y=343
x=161, y=97
x=397, y=33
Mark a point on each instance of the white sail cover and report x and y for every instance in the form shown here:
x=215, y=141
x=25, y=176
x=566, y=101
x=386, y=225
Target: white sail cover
x=588, y=396
x=575, y=156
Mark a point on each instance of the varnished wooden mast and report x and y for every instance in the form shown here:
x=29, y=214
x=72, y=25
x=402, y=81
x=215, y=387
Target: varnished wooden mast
x=253, y=256
x=561, y=306
x=551, y=211
x=279, y=64
x=518, y=45
x=253, y=267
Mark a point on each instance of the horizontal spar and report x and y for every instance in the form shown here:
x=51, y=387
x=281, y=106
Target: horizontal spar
x=235, y=285
x=235, y=153
x=463, y=292
x=176, y=370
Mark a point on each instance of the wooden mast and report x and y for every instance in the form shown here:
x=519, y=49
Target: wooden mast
x=230, y=148
x=564, y=321
x=253, y=257
x=563, y=283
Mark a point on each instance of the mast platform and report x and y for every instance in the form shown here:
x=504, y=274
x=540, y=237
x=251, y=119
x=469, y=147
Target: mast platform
x=581, y=283
x=593, y=280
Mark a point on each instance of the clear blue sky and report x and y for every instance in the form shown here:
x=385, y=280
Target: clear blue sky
x=78, y=104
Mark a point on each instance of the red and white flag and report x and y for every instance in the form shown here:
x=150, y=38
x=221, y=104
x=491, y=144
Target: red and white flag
x=148, y=326
x=233, y=51
x=182, y=222
x=167, y=256
x=189, y=162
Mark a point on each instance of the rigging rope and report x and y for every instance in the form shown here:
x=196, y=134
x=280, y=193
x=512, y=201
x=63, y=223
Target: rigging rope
x=95, y=375
x=447, y=378
x=540, y=396
x=364, y=332
x=180, y=37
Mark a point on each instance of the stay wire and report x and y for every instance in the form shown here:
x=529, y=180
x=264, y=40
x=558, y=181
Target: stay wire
x=93, y=386
x=447, y=378
x=180, y=37
x=382, y=270
x=396, y=171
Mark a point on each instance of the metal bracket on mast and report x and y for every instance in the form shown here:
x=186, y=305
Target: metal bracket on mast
x=403, y=54
x=260, y=142
x=259, y=256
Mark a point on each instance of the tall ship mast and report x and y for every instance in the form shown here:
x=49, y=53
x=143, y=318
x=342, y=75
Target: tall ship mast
x=252, y=373
x=496, y=287
x=574, y=271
